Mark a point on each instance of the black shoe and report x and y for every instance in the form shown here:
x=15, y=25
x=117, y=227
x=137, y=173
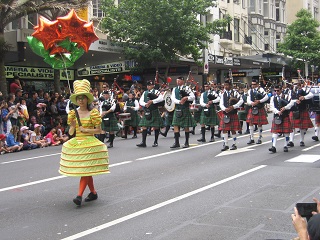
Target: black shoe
x=259, y=141
x=240, y=132
x=247, y=132
x=192, y=132
x=233, y=147
x=302, y=144
x=225, y=148
x=134, y=136
x=91, y=197
x=149, y=132
x=186, y=145
x=201, y=140
x=212, y=139
x=110, y=145
x=175, y=145
x=290, y=144
x=124, y=136
x=218, y=135
x=251, y=141
x=77, y=200
x=163, y=134
x=315, y=138
x=256, y=129
x=273, y=149
x=141, y=145
x=108, y=140
x=155, y=145
x=285, y=149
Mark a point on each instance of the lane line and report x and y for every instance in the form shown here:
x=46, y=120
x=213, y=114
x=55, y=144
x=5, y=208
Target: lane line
x=50, y=179
x=309, y=148
x=160, y=205
x=25, y=159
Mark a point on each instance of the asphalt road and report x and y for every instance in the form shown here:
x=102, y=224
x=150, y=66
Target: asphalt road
x=158, y=193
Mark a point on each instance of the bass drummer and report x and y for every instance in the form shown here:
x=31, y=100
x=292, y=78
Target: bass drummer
x=151, y=117
x=208, y=114
x=257, y=113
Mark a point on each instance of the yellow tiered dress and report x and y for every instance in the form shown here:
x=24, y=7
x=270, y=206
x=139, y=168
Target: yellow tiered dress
x=84, y=155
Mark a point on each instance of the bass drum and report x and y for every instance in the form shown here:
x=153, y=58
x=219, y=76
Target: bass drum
x=168, y=103
x=314, y=104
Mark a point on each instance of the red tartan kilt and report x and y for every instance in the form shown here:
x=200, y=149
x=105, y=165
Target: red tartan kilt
x=233, y=125
x=317, y=118
x=259, y=119
x=304, y=122
x=284, y=127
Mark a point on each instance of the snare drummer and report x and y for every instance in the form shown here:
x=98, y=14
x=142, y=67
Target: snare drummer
x=257, y=114
x=131, y=106
x=229, y=109
x=151, y=117
x=208, y=114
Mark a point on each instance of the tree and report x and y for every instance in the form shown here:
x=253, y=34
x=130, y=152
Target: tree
x=302, y=40
x=160, y=31
x=11, y=10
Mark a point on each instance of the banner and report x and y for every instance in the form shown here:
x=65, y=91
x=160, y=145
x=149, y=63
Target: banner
x=107, y=68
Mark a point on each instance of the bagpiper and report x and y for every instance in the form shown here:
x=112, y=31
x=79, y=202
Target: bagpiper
x=131, y=106
x=151, y=118
x=229, y=102
x=208, y=113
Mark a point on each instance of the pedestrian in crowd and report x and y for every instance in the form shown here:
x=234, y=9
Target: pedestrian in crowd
x=52, y=138
x=182, y=96
x=13, y=139
x=84, y=155
x=257, y=115
x=26, y=139
x=229, y=102
x=3, y=145
x=37, y=138
x=151, y=118
x=5, y=117
x=32, y=102
x=280, y=106
x=23, y=112
x=15, y=84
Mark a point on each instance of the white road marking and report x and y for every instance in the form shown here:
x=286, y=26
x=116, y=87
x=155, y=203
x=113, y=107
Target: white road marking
x=230, y=152
x=50, y=179
x=25, y=159
x=304, y=158
x=309, y=148
x=160, y=205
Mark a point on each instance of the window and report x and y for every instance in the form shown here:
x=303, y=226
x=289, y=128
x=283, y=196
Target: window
x=260, y=6
x=315, y=13
x=236, y=30
x=244, y=3
x=32, y=20
x=266, y=33
x=266, y=47
x=266, y=8
x=96, y=7
x=252, y=6
x=277, y=12
x=278, y=36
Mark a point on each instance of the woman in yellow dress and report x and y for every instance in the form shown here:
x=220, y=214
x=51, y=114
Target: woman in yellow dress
x=84, y=155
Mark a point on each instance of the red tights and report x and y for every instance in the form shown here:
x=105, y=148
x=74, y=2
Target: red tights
x=84, y=182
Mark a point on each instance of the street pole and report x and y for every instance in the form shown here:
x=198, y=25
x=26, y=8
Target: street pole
x=204, y=56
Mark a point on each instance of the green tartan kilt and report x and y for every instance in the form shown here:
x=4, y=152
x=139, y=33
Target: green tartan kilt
x=134, y=121
x=169, y=118
x=186, y=120
x=242, y=115
x=111, y=125
x=155, y=121
x=197, y=115
x=212, y=120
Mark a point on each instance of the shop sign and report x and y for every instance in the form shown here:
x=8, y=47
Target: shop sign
x=236, y=62
x=228, y=61
x=106, y=46
x=219, y=60
x=107, y=68
x=239, y=74
x=66, y=75
x=211, y=57
x=29, y=73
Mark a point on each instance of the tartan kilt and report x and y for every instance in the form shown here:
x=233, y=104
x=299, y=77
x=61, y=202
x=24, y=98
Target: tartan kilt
x=317, y=119
x=304, y=122
x=233, y=125
x=186, y=120
x=134, y=121
x=112, y=126
x=197, y=115
x=212, y=120
x=259, y=119
x=242, y=115
x=284, y=127
x=155, y=121
x=169, y=118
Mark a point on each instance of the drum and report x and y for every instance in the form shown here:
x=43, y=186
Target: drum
x=125, y=116
x=315, y=103
x=168, y=103
x=194, y=107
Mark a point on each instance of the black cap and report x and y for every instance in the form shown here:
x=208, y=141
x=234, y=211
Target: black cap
x=106, y=92
x=150, y=83
x=254, y=81
x=227, y=81
x=181, y=78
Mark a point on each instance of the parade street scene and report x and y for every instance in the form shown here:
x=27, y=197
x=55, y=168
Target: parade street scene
x=160, y=120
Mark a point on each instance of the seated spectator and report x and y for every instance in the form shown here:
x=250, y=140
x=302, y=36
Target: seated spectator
x=61, y=136
x=310, y=230
x=3, y=146
x=51, y=136
x=37, y=138
x=12, y=142
x=25, y=139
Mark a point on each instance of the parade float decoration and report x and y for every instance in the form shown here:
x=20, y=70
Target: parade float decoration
x=63, y=41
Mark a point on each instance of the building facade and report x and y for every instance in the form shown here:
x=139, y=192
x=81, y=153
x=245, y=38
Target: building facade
x=293, y=6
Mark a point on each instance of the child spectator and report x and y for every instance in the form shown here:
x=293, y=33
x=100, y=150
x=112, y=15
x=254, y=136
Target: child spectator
x=3, y=145
x=25, y=138
x=51, y=136
x=12, y=142
x=37, y=138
